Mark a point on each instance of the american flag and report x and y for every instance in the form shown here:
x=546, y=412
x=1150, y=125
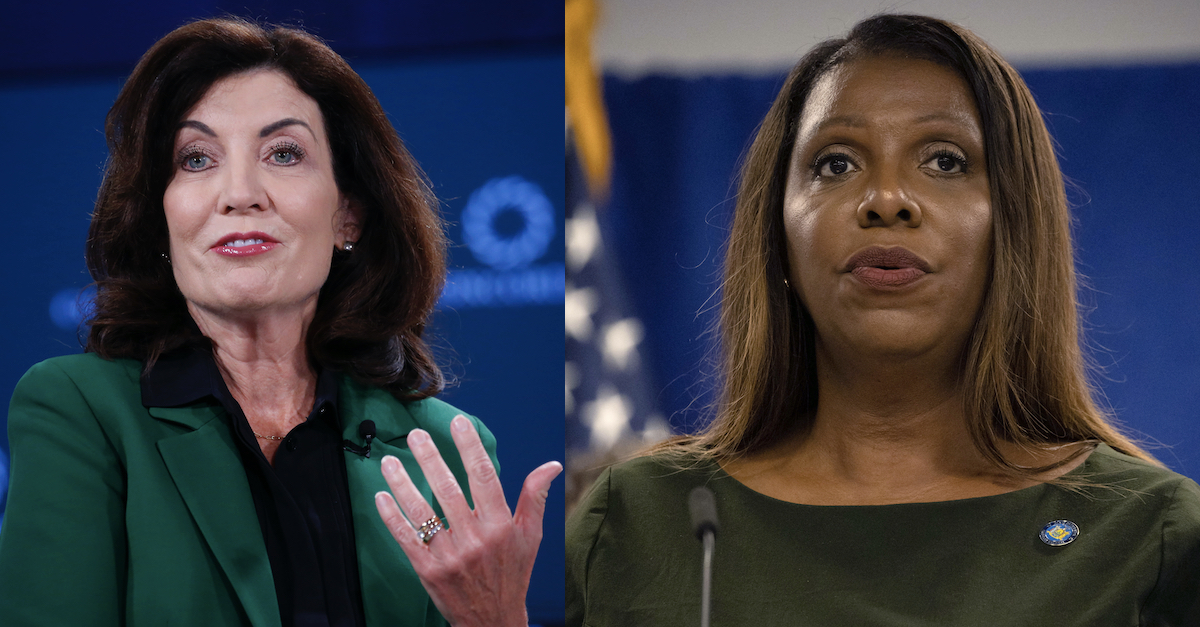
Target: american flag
x=610, y=409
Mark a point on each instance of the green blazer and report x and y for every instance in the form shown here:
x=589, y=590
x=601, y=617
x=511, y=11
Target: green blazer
x=122, y=515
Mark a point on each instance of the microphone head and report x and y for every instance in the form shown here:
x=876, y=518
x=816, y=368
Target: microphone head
x=703, y=506
x=366, y=429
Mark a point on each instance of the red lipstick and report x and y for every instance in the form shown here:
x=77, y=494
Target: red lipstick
x=887, y=268
x=244, y=244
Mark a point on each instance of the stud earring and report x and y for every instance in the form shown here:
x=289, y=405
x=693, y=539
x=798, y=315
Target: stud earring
x=166, y=257
x=348, y=246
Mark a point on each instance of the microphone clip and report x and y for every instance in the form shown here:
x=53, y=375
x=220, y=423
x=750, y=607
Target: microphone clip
x=366, y=430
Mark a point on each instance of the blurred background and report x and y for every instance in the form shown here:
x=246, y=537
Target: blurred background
x=474, y=90
x=683, y=85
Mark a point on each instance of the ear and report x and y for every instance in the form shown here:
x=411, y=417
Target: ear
x=347, y=222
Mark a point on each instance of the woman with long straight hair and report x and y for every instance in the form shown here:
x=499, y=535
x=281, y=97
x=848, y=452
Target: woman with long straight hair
x=905, y=433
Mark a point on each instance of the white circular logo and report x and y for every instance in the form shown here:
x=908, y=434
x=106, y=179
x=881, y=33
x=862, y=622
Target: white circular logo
x=505, y=252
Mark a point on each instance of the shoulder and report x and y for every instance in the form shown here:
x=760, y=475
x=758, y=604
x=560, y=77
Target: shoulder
x=78, y=382
x=1112, y=469
x=659, y=475
x=85, y=370
x=394, y=418
x=635, y=513
x=1168, y=505
x=434, y=415
x=1137, y=494
x=643, y=489
x=1178, y=495
x=394, y=415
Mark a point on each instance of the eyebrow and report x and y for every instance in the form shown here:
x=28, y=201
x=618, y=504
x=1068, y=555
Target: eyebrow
x=275, y=126
x=199, y=126
x=266, y=130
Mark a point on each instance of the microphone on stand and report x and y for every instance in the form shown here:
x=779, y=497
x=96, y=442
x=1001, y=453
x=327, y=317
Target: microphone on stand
x=366, y=430
x=703, y=506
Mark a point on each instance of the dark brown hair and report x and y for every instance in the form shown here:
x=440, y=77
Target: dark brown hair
x=1025, y=372
x=372, y=310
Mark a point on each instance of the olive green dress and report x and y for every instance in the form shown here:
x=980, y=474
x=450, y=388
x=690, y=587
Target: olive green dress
x=1135, y=560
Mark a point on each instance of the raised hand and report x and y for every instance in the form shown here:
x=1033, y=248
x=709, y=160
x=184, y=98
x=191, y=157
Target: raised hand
x=476, y=571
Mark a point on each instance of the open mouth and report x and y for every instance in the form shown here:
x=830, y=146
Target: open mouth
x=887, y=277
x=238, y=243
x=887, y=268
x=244, y=244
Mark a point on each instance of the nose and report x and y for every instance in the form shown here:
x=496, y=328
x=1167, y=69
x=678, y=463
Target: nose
x=243, y=188
x=887, y=202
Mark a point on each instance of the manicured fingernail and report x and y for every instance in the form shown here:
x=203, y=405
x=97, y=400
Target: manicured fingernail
x=418, y=436
x=390, y=465
x=381, y=498
x=460, y=423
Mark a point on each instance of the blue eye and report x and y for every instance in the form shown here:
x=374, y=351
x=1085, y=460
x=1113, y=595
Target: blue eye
x=194, y=161
x=287, y=154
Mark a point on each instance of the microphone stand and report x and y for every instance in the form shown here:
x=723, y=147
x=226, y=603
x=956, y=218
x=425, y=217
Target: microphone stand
x=706, y=585
x=703, y=506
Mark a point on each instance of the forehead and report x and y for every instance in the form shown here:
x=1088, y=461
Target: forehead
x=887, y=90
x=257, y=97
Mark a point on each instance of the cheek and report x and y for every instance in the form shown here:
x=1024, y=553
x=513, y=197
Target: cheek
x=179, y=208
x=313, y=220
x=809, y=236
x=977, y=231
x=317, y=209
x=975, y=246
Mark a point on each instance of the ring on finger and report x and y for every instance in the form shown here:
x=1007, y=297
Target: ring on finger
x=426, y=532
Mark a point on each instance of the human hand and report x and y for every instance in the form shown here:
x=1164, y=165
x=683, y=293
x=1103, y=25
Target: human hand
x=477, y=571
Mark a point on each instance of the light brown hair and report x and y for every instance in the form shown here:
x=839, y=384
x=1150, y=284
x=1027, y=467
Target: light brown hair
x=373, y=307
x=1025, y=371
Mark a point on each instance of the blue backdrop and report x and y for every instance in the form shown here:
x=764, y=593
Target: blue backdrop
x=1129, y=140
x=476, y=96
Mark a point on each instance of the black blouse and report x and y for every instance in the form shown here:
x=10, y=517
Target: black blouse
x=303, y=501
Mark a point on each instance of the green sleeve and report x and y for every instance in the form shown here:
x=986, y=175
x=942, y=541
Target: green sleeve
x=63, y=547
x=583, y=531
x=1175, y=601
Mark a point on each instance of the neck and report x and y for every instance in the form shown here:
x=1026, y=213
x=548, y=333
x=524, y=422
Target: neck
x=265, y=365
x=890, y=421
x=888, y=429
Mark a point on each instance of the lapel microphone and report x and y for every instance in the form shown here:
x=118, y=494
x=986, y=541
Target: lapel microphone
x=366, y=430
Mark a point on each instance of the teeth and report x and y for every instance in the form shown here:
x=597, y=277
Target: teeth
x=243, y=242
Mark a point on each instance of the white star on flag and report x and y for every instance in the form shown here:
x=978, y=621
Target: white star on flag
x=607, y=416
x=583, y=237
x=578, y=307
x=619, y=343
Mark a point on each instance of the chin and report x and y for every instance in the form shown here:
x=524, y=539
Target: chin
x=894, y=337
x=239, y=303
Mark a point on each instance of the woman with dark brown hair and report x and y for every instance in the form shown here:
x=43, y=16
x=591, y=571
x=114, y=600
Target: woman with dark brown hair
x=905, y=432
x=266, y=254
